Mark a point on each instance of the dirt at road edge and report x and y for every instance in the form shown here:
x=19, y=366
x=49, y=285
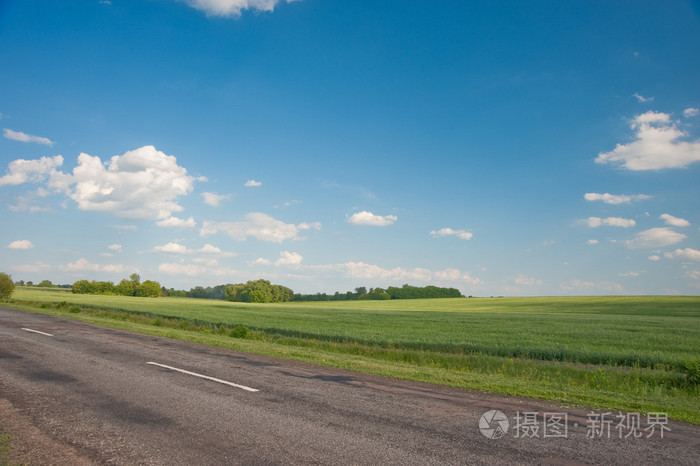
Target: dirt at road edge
x=30, y=446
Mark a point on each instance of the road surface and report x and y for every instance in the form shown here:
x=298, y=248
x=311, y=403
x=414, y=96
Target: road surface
x=74, y=393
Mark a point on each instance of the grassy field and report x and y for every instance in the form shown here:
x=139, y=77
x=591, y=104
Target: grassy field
x=632, y=353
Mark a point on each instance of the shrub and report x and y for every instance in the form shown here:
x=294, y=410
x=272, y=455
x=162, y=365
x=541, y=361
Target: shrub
x=240, y=331
x=692, y=372
x=7, y=286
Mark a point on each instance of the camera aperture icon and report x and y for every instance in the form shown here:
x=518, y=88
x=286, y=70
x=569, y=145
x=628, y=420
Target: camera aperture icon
x=493, y=424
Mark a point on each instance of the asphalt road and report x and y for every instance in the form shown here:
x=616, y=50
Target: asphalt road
x=93, y=390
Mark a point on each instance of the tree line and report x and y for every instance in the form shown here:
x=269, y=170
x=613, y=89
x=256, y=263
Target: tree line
x=131, y=286
x=392, y=292
x=253, y=291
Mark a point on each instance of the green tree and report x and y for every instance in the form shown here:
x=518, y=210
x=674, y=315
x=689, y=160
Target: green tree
x=233, y=292
x=7, y=286
x=148, y=289
x=125, y=288
x=135, y=279
x=45, y=284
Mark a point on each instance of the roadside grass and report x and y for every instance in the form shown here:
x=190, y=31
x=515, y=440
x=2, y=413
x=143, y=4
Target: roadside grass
x=632, y=353
x=6, y=448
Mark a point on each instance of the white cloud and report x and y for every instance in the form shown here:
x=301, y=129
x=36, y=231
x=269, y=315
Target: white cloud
x=23, y=137
x=171, y=248
x=628, y=274
x=31, y=171
x=595, y=222
x=654, y=258
x=82, y=265
x=232, y=8
x=368, y=218
x=641, y=98
x=289, y=258
x=691, y=112
x=615, y=198
x=592, y=241
x=454, y=276
x=657, y=146
x=214, y=199
x=687, y=253
x=655, y=238
x=252, y=184
x=20, y=244
x=175, y=222
x=177, y=248
x=674, y=221
x=370, y=271
x=693, y=274
x=309, y=226
x=257, y=225
x=141, y=184
x=115, y=247
x=260, y=261
x=461, y=234
x=525, y=280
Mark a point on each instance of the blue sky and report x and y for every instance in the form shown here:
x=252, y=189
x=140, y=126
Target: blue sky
x=502, y=148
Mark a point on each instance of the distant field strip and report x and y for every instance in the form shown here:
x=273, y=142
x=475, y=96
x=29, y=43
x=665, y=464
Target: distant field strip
x=613, y=351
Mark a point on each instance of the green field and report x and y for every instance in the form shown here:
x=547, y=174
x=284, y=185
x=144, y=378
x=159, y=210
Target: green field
x=632, y=353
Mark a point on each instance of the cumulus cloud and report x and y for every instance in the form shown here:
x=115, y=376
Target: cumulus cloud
x=691, y=112
x=20, y=244
x=368, y=218
x=687, y=253
x=31, y=171
x=115, y=247
x=657, y=145
x=615, y=199
x=175, y=222
x=257, y=225
x=289, y=258
x=141, y=184
x=595, y=222
x=655, y=238
x=674, y=221
x=214, y=199
x=252, y=184
x=592, y=241
x=654, y=257
x=23, y=137
x=461, y=234
x=233, y=8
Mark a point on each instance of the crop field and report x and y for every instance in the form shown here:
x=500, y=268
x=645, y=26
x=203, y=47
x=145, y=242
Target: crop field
x=632, y=353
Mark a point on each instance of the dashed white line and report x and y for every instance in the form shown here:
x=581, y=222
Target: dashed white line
x=36, y=331
x=201, y=376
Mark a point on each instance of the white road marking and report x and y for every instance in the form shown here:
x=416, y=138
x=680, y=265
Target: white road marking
x=37, y=331
x=213, y=379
